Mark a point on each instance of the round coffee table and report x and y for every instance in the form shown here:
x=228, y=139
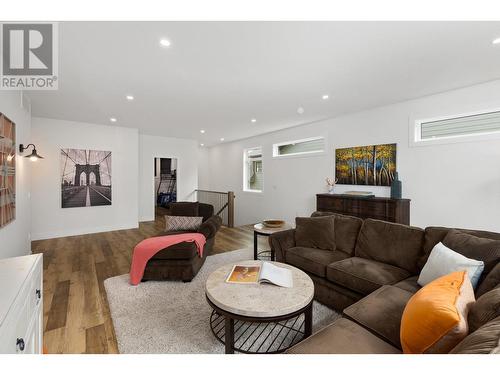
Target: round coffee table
x=259, y=318
x=262, y=230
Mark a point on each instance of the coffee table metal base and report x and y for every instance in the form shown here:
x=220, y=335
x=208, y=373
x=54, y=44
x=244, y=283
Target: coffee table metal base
x=252, y=335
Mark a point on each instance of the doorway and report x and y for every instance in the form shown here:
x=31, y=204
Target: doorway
x=165, y=183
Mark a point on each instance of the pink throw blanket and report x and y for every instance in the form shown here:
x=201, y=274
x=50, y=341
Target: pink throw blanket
x=147, y=248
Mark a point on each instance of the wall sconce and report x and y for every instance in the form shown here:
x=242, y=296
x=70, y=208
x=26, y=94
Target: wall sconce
x=33, y=156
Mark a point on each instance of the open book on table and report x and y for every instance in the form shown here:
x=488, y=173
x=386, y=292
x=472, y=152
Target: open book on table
x=265, y=273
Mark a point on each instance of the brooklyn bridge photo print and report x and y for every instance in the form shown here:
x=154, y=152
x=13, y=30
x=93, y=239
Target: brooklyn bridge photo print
x=85, y=178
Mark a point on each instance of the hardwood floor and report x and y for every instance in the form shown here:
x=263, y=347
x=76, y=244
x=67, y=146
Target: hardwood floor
x=76, y=311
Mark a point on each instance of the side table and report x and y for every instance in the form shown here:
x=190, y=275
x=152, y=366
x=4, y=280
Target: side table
x=261, y=230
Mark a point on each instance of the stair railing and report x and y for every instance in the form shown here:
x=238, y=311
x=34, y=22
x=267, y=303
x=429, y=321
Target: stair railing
x=223, y=203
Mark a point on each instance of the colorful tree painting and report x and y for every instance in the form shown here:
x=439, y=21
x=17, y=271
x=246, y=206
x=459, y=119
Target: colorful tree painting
x=366, y=165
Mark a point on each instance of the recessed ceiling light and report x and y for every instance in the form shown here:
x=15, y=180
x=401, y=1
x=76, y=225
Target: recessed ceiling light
x=113, y=119
x=165, y=42
x=300, y=110
x=130, y=97
x=325, y=97
x=201, y=144
x=222, y=139
x=496, y=41
x=202, y=131
x=254, y=120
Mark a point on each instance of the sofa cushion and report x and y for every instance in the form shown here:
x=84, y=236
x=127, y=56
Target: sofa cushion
x=410, y=284
x=346, y=230
x=205, y=210
x=184, y=208
x=395, y=244
x=315, y=232
x=381, y=312
x=333, y=295
x=364, y=275
x=313, y=260
x=491, y=281
x=484, y=249
x=435, y=318
x=434, y=235
x=486, y=308
x=343, y=337
x=486, y=340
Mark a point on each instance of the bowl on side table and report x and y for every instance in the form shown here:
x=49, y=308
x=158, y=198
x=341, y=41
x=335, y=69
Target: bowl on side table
x=273, y=223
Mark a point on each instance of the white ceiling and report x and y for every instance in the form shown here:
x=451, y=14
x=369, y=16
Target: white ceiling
x=218, y=75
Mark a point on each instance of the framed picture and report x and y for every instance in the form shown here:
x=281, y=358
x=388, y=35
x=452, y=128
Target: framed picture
x=85, y=178
x=7, y=171
x=366, y=165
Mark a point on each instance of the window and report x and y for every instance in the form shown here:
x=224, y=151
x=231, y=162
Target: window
x=299, y=147
x=253, y=177
x=459, y=127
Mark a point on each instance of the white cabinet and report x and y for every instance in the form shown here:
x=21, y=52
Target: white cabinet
x=21, y=301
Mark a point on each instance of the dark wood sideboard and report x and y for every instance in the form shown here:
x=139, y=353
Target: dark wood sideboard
x=388, y=209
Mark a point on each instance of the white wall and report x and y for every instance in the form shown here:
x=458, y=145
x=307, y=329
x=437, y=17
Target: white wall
x=48, y=218
x=186, y=153
x=203, y=168
x=452, y=185
x=14, y=237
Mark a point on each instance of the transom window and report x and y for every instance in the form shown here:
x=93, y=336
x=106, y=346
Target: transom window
x=465, y=126
x=299, y=147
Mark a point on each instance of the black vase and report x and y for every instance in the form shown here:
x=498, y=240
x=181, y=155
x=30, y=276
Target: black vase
x=396, y=189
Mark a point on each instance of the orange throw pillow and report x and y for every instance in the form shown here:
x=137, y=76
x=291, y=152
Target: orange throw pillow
x=435, y=318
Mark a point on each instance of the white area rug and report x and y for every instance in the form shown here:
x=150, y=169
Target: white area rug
x=174, y=317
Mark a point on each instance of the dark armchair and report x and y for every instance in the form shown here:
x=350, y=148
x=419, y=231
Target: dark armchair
x=181, y=261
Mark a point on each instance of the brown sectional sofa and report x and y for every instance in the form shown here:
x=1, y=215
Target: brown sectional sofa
x=372, y=274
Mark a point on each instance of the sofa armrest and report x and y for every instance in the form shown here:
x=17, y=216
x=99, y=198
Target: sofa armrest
x=210, y=227
x=280, y=242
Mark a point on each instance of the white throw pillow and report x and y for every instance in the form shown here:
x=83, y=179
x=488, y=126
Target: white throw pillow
x=443, y=261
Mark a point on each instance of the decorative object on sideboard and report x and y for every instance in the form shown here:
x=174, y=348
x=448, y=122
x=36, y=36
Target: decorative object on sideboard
x=8, y=171
x=85, y=178
x=330, y=184
x=396, y=187
x=34, y=155
x=366, y=165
